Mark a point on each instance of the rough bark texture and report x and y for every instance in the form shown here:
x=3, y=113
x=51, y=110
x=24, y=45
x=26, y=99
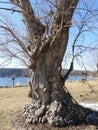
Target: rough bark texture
x=50, y=102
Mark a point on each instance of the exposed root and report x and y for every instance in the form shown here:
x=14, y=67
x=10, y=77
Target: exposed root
x=56, y=114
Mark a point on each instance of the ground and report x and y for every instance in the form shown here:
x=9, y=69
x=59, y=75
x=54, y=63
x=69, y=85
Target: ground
x=12, y=101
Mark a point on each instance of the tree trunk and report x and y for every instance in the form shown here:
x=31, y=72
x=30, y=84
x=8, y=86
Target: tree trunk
x=50, y=102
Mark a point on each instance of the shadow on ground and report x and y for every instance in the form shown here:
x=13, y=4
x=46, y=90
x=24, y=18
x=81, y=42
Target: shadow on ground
x=89, y=123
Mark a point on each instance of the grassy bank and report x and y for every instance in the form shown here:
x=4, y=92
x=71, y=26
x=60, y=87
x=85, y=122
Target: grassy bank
x=14, y=99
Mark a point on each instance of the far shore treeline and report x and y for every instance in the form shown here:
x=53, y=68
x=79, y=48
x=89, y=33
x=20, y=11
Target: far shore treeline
x=13, y=72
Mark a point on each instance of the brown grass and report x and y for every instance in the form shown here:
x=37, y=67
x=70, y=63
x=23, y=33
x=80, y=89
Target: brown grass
x=84, y=92
x=14, y=99
x=11, y=100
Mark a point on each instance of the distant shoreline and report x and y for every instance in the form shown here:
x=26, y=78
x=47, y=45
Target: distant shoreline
x=10, y=72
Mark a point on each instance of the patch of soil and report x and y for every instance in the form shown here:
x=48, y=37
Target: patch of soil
x=18, y=123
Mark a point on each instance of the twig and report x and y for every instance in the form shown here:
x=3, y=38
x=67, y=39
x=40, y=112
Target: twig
x=10, y=9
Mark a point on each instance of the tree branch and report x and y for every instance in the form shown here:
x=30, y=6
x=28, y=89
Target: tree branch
x=68, y=72
x=11, y=9
x=16, y=39
x=64, y=12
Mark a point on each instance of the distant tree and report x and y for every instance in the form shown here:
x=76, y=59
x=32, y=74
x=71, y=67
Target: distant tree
x=42, y=50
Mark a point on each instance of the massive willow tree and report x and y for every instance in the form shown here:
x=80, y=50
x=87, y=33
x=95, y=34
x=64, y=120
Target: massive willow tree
x=51, y=102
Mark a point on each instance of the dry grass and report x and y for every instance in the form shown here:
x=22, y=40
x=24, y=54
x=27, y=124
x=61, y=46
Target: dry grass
x=84, y=92
x=13, y=99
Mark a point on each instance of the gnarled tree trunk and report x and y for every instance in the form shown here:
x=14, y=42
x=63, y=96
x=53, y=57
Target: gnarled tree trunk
x=50, y=102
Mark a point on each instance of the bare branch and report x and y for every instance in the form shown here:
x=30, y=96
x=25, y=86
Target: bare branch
x=11, y=9
x=8, y=29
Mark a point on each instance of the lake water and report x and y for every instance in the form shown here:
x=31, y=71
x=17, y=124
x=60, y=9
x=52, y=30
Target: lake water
x=5, y=81
x=78, y=78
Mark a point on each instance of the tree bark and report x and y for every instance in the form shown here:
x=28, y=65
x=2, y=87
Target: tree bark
x=50, y=102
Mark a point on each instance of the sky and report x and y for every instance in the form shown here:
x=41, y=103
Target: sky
x=87, y=38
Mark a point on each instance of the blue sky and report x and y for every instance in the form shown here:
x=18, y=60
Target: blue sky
x=86, y=39
x=89, y=38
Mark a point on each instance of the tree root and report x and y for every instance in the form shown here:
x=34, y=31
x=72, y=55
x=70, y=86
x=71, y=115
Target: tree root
x=57, y=114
